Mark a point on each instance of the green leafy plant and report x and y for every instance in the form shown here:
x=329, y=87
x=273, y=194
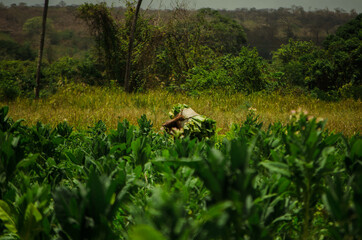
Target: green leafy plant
x=87, y=211
x=30, y=217
x=295, y=181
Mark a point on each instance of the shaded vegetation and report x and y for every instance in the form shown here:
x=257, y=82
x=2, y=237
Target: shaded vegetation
x=194, y=51
x=295, y=178
x=295, y=181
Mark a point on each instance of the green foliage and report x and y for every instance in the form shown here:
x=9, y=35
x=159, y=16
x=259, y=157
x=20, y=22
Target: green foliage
x=293, y=181
x=200, y=127
x=294, y=60
x=35, y=216
x=105, y=31
x=9, y=87
x=32, y=26
x=192, y=42
x=87, y=211
x=145, y=125
x=292, y=51
x=327, y=70
x=145, y=232
x=347, y=31
x=15, y=51
x=11, y=154
x=246, y=71
x=16, y=78
x=111, y=39
x=220, y=33
x=345, y=51
x=227, y=177
x=242, y=73
x=350, y=91
x=176, y=109
x=310, y=155
x=190, y=51
x=64, y=69
x=63, y=129
x=30, y=217
x=194, y=127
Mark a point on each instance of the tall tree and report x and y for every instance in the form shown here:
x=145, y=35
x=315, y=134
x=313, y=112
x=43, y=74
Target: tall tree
x=41, y=47
x=107, y=36
x=127, y=81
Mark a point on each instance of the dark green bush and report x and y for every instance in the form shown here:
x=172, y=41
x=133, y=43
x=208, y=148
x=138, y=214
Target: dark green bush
x=334, y=70
x=350, y=91
x=9, y=87
x=242, y=73
x=17, y=77
x=90, y=72
x=10, y=50
x=294, y=59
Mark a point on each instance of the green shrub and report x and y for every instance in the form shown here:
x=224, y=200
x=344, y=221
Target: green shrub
x=242, y=73
x=9, y=88
x=321, y=75
x=294, y=59
x=16, y=78
x=200, y=78
x=63, y=69
x=90, y=72
x=350, y=91
x=10, y=50
x=245, y=71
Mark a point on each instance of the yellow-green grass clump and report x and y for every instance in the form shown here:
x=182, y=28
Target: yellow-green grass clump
x=81, y=106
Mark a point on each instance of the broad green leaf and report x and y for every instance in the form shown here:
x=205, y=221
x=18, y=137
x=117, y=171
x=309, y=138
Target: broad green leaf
x=9, y=236
x=332, y=205
x=357, y=149
x=332, y=139
x=275, y=156
x=283, y=184
x=217, y=210
x=145, y=232
x=277, y=167
x=5, y=216
x=285, y=217
x=71, y=157
x=31, y=210
x=28, y=161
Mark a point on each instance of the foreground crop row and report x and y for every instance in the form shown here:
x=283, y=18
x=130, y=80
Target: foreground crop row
x=293, y=181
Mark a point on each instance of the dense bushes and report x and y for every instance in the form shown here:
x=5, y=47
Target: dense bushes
x=11, y=50
x=111, y=38
x=328, y=73
x=17, y=78
x=242, y=73
x=197, y=51
x=331, y=72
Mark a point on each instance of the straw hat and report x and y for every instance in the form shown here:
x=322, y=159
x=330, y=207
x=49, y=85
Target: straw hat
x=180, y=119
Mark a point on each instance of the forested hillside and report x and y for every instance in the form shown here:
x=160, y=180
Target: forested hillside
x=184, y=50
x=266, y=29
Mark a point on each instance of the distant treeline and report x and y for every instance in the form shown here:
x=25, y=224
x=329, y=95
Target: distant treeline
x=266, y=29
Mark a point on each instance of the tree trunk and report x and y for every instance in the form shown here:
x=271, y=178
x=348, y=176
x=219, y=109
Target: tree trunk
x=41, y=47
x=127, y=83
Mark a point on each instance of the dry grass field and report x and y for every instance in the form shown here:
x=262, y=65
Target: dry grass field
x=82, y=106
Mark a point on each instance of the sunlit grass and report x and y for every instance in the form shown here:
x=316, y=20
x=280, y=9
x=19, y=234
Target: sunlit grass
x=82, y=106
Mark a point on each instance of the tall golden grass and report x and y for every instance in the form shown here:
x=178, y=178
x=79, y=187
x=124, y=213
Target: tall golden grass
x=81, y=106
